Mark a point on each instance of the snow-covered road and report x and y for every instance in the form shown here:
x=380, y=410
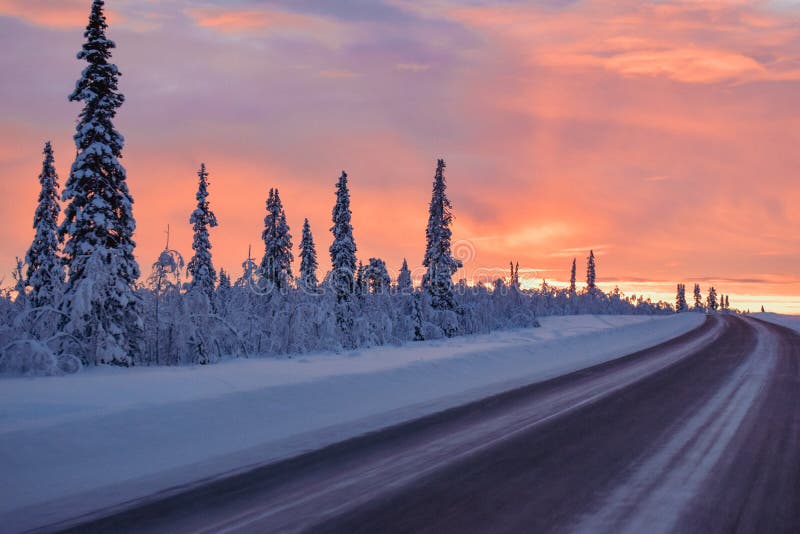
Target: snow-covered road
x=699, y=434
x=72, y=445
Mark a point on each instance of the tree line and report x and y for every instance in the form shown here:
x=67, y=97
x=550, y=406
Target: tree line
x=78, y=299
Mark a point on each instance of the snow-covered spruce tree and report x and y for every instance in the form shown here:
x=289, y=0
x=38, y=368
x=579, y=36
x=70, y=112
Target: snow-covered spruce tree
x=361, y=280
x=377, y=276
x=680, y=299
x=711, y=301
x=573, y=277
x=343, y=264
x=404, y=285
x=343, y=249
x=698, y=298
x=417, y=317
x=591, y=274
x=308, y=259
x=223, y=293
x=201, y=266
x=45, y=274
x=441, y=265
x=100, y=302
x=276, y=265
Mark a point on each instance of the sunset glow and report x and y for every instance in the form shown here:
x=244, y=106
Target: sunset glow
x=664, y=135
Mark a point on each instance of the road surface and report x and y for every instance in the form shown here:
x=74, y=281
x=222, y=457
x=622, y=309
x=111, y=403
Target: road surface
x=699, y=434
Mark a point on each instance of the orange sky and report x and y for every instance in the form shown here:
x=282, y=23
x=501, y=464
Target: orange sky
x=664, y=135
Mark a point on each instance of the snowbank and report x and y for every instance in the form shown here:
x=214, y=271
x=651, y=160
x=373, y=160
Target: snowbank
x=73, y=444
x=789, y=321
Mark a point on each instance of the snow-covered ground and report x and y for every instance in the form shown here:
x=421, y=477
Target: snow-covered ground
x=789, y=321
x=73, y=444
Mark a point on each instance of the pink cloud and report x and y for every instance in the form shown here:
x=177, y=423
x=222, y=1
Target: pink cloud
x=691, y=42
x=57, y=14
x=257, y=20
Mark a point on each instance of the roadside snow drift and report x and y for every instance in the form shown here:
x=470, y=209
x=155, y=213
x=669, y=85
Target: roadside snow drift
x=789, y=321
x=74, y=444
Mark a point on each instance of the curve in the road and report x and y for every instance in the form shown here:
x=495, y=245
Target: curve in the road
x=667, y=438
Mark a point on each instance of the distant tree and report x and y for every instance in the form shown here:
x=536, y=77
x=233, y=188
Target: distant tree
x=404, y=284
x=698, y=298
x=276, y=266
x=439, y=260
x=224, y=279
x=572, y=277
x=417, y=317
x=249, y=278
x=343, y=249
x=103, y=309
x=591, y=275
x=680, y=299
x=514, y=276
x=377, y=276
x=308, y=259
x=762, y=309
x=361, y=280
x=201, y=266
x=164, y=280
x=224, y=289
x=165, y=272
x=727, y=302
x=711, y=300
x=45, y=274
x=21, y=298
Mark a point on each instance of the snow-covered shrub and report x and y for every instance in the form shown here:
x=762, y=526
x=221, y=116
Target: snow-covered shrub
x=31, y=357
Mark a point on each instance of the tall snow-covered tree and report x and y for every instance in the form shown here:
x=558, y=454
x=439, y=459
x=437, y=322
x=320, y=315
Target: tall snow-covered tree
x=591, y=274
x=680, y=299
x=343, y=249
x=276, y=265
x=439, y=260
x=404, y=279
x=100, y=302
x=308, y=259
x=45, y=274
x=201, y=266
x=698, y=298
x=711, y=300
x=573, y=277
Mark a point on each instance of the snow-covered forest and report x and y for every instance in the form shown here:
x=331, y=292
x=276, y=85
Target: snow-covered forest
x=81, y=299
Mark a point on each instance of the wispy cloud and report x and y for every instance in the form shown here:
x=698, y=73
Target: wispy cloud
x=413, y=67
x=703, y=41
x=258, y=20
x=338, y=73
x=599, y=250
